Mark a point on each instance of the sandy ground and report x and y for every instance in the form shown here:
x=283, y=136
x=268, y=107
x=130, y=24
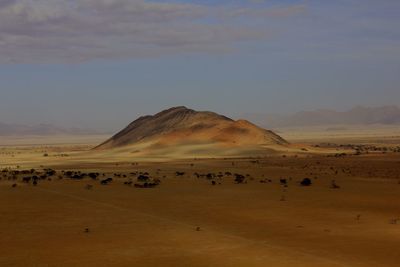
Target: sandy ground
x=354, y=134
x=251, y=224
x=52, y=140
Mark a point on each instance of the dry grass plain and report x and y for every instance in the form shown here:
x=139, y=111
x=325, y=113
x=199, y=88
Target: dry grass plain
x=186, y=221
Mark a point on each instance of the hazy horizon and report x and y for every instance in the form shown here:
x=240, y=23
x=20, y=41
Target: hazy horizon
x=65, y=63
x=356, y=116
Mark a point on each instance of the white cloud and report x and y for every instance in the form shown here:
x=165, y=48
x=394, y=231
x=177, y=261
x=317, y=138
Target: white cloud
x=76, y=30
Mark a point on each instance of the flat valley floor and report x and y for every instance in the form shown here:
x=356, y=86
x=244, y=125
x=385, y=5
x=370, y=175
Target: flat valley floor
x=187, y=221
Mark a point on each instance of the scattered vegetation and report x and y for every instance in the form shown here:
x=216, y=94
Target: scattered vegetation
x=306, y=182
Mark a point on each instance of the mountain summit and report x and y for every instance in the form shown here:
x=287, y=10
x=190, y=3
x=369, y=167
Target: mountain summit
x=180, y=126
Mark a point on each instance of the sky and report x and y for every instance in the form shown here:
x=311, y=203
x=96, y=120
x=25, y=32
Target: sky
x=100, y=64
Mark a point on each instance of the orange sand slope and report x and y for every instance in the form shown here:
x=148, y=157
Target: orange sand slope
x=184, y=128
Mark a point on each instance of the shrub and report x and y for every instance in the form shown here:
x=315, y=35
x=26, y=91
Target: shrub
x=306, y=182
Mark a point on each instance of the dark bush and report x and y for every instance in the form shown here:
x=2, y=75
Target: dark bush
x=143, y=178
x=239, y=179
x=306, y=182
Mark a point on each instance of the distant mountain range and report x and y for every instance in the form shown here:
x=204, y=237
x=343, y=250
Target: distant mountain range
x=389, y=115
x=40, y=129
x=386, y=115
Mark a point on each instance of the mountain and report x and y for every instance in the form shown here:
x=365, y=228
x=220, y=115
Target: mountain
x=185, y=129
x=389, y=115
x=40, y=129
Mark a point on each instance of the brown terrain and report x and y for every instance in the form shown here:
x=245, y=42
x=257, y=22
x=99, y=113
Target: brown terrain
x=187, y=188
x=182, y=132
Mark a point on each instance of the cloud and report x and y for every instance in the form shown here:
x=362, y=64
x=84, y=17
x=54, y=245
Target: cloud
x=80, y=30
x=279, y=11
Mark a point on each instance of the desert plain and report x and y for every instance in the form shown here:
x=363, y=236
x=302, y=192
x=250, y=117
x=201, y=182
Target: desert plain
x=198, y=215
